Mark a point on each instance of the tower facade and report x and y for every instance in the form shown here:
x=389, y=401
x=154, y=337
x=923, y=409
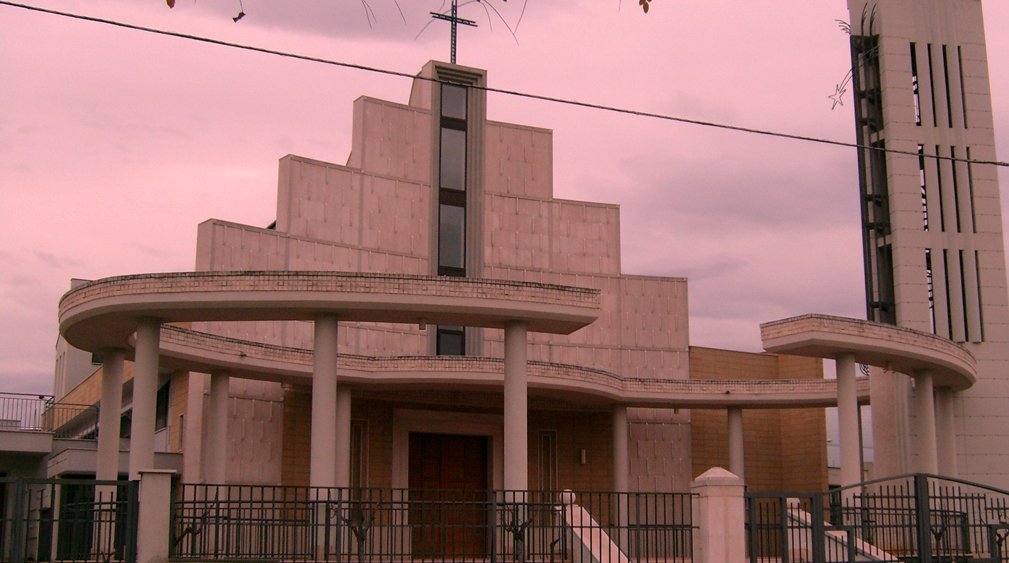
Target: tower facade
x=932, y=227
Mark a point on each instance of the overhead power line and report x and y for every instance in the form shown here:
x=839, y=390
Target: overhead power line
x=540, y=97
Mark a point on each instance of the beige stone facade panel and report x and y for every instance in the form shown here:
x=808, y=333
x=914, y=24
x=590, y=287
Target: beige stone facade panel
x=585, y=237
x=385, y=340
x=255, y=436
x=659, y=455
x=518, y=233
x=391, y=140
x=653, y=313
x=395, y=216
x=519, y=161
x=223, y=246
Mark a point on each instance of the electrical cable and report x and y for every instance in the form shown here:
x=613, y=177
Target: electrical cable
x=527, y=95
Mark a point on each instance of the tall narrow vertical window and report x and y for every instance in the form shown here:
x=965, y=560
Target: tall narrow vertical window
x=924, y=193
x=452, y=182
x=970, y=192
x=963, y=300
x=956, y=186
x=931, y=288
x=452, y=157
x=980, y=298
x=931, y=86
x=945, y=283
x=941, y=189
x=949, y=96
x=914, y=85
x=963, y=91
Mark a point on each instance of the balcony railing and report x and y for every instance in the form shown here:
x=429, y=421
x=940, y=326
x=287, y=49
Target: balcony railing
x=41, y=413
x=329, y=524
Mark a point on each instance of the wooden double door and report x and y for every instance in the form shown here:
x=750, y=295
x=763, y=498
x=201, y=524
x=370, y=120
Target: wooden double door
x=449, y=482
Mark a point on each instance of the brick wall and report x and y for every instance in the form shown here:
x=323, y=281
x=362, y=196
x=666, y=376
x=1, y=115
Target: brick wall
x=784, y=448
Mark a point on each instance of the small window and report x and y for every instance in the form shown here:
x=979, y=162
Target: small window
x=126, y=424
x=451, y=341
x=161, y=410
x=548, y=460
x=358, y=454
x=453, y=159
x=453, y=101
x=97, y=358
x=451, y=240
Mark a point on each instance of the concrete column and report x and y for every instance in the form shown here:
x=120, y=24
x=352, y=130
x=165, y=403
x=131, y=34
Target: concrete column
x=154, y=516
x=145, y=392
x=109, y=412
x=343, y=404
x=107, y=466
x=621, y=456
x=516, y=450
x=322, y=461
x=719, y=517
x=192, y=441
x=924, y=414
x=945, y=432
x=621, y=468
x=737, y=455
x=217, y=430
x=847, y=421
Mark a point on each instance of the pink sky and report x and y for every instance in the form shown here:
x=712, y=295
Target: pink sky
x=115, y=144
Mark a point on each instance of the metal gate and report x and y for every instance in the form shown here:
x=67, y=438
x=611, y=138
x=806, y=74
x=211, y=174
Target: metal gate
x=920, y=518
x=68, y=520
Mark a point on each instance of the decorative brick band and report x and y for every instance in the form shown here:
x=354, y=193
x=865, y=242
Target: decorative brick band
x=343, y=282
x=670, y=391
x=104, y=313
x=902, y=349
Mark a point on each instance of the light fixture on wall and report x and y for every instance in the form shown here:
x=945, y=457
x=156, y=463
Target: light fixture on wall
x=583, y=456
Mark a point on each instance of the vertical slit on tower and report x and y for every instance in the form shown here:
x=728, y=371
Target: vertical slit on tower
x=921, y=179
x=980, y=298
x=949, y=97
x=931, y=287
x=949, y=306
x=963, y=299
x=914, y=84
x=931, y=85
x=963, y=90
x=970, y=192
x=956, y=187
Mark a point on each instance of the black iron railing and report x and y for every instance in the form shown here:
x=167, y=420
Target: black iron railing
x=372, y=524
x=920, y=518
x=41, y=413
x=68, y=520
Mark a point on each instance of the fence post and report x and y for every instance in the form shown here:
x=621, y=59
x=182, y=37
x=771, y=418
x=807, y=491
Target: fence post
x=923, y=518
x=718, y=514
x=19, y=517
x=155, y=515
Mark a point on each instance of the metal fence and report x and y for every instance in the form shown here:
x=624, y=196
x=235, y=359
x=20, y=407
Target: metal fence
x=68, y=520
x=41, y=413
x=919, y=518
x=374, y=524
